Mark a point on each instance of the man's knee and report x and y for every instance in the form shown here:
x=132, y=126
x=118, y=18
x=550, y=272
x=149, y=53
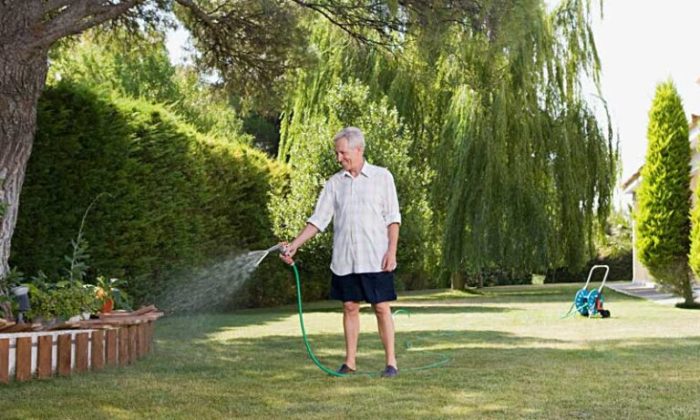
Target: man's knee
x=351, y=308
x=382, y=309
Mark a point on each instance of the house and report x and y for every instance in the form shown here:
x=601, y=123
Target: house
x=639, y=273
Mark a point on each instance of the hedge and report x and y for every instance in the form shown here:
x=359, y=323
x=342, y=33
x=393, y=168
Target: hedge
x=169, y=197
x=620, y=269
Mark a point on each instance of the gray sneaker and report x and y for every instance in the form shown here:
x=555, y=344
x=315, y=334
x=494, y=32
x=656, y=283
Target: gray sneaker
x=390, y=372
x=345, y=370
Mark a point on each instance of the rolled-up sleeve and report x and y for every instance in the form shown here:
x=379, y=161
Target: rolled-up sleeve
x=323, y=214
x=392, y=213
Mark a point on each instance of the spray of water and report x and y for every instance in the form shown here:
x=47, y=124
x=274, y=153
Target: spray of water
x=210, y=288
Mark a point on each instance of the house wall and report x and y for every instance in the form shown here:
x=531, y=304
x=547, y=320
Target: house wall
x=640, y=274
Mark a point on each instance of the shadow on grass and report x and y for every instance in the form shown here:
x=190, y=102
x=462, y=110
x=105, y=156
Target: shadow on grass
x=202, y=325
x=456, y=308
x=260, y=357
x=553, y=293
x=436, y=308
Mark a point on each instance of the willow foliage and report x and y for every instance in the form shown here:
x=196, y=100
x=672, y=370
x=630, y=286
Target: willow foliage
x=518, y=169
x=313, y=161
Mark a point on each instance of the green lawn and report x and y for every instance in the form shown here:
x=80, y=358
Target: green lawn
x=510, y=356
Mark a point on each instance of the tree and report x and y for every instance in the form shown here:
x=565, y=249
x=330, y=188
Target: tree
x=519, y=166
x=248, y=42
x=530, y=166
x=111, y=62
x=662, y=219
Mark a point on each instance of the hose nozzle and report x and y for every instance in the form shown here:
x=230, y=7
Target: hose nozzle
x=276, y=248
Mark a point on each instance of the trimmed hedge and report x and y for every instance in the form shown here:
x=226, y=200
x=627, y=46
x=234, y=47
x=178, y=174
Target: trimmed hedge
x=620, y=269
x=170, y=198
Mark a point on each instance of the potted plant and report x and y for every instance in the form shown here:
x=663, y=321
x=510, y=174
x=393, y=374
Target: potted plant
x=109, y=293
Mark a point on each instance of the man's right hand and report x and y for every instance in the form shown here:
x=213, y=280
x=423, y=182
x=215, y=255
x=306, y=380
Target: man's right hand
x=290, y=249
x=288, y=253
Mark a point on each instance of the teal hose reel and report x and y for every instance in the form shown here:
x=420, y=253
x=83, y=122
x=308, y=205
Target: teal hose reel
x=589, y=303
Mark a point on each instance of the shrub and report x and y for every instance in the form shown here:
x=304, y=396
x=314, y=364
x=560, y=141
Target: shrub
x=174, y=198
x=663, y=223
x=613, y=249
x=497, y=277
x=620, y=269
x=60, y=299
x=143, y=70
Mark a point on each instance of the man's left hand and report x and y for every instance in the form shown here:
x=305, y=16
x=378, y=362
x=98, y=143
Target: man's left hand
x=389, y=262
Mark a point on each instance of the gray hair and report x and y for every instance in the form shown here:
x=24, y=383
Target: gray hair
x=353, y=135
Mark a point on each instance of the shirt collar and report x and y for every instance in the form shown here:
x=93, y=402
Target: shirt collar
x=366, y=170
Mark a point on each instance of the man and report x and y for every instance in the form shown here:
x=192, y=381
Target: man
x=361, y=200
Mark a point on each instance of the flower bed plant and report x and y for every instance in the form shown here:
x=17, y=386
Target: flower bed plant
x=54, y=300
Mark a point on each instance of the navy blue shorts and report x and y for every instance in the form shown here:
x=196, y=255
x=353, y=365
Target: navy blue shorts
x=368, y=287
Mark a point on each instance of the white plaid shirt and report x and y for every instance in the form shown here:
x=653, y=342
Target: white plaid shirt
x=362, y=209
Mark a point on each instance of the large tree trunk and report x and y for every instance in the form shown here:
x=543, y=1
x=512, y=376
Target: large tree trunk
x=28, y=28
x=687, y=287
x=22, y=79
x=457, y=281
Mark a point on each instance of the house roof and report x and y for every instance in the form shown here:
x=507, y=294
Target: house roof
x=628, y=184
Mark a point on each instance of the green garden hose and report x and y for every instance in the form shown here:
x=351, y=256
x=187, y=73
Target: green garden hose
x=331, y=372
x=303, y=330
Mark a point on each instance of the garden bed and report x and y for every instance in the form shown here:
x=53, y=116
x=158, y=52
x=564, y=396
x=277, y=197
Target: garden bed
x=116, y=339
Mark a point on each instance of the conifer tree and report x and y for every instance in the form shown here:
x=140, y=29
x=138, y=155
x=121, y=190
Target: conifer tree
x=662, y=217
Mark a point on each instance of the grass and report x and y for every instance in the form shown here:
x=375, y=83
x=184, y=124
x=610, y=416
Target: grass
x=510, y=356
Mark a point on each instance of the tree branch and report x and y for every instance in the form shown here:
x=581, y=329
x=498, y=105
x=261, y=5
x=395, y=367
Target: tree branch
x=200, y=13
x=51, y=5
x=353, y=21
x=79, y=16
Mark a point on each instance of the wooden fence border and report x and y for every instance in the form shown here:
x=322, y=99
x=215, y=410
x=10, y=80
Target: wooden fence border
x=4, y=360
x=97, y=351
x=42, y=355
x=23, y=356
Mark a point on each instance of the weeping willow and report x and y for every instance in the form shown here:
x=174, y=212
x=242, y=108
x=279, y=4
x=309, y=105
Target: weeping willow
x=518, y=168
x=533, y=170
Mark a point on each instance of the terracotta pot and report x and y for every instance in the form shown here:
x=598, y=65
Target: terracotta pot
x=107, y=306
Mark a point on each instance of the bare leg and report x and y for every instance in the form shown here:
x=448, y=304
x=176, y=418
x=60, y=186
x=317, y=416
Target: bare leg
x=351, y=325
x=385, y=324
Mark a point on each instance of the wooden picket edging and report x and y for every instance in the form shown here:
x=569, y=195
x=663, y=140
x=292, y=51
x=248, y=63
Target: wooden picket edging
x=113, y=340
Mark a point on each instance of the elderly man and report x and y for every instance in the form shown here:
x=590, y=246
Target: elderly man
x=361, y=200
